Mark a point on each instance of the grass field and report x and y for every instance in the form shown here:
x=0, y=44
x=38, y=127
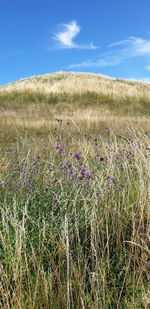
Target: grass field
x=75, y=193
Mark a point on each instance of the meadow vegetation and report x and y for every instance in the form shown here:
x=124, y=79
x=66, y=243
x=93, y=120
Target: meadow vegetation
x=74, y=193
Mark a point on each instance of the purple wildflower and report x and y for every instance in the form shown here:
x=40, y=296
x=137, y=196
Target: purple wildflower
x=77, y=156
x=85, y=173
x=59, y=149
x=82, y=171
x=88, y=174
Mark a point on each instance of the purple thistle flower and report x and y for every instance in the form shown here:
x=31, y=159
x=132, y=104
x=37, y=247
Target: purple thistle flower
x=82, y=171
x=85, y=173
x=59, y=149
x=77, y=156
x=88, y=174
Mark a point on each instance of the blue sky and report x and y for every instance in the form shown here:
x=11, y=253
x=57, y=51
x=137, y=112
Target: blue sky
x=110, y=37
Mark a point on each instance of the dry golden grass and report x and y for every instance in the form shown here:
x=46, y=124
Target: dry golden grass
x=80, y=83
x=88, y=101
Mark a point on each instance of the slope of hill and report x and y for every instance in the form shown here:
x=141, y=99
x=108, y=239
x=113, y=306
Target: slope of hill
x=70, y=83
x=91, y=101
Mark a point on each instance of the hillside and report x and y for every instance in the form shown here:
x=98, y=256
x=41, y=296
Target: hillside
x=92, y=102
x=72, y=83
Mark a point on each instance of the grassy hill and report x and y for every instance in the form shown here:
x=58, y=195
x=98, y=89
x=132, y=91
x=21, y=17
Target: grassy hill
x=91, y=101
x=74, y=193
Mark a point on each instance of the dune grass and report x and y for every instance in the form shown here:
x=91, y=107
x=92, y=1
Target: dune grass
x=35, y=113
x=74, y=197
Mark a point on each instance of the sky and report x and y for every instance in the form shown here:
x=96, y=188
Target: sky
x=110, y=37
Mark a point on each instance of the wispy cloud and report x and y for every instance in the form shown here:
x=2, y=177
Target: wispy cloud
x=101, y=62
x=119, y=52
x=138, y=46
x=68, y=32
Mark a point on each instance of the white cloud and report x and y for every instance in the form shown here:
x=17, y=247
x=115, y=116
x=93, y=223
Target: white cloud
x=138, y=46
x=119, y=52
x=106, y=61
x=65, y=37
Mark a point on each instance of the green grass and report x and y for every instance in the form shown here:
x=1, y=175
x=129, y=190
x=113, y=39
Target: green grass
x=69, y=241
x=125, y=106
